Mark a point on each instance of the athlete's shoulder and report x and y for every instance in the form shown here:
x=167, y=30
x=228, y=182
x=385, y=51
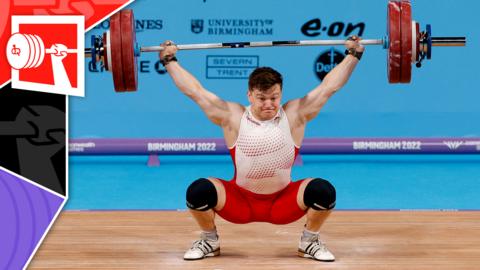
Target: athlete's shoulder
x=235, y=107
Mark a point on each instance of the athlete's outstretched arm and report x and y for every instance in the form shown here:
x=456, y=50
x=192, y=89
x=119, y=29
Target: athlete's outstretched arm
x=310, y=105
x=216, y=109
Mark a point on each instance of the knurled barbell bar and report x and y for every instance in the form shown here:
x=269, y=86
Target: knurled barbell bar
x=117, y=49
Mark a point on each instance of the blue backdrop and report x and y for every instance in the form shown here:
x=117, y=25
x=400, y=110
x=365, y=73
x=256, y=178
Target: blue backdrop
x=442, y=99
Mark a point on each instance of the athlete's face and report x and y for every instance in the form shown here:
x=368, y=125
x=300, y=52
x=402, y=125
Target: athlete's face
x=265, y=104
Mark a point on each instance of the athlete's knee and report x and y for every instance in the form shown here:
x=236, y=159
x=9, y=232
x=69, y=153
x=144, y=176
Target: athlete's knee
x=320, y=195
x=201, y=195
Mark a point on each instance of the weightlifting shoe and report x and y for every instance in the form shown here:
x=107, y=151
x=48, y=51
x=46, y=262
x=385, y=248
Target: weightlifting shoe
x=315, y=249
x=203, y=248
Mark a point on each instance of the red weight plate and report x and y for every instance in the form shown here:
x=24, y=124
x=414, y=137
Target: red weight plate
x=414, y=43
x=116, y=52
x=105, y=51
x=395, y=47
x=406, y=38
x=129, y=60
x=417, y=26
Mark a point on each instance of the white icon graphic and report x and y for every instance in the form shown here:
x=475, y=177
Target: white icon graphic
x=453, y=145
x=27, y=51
x=59, y=73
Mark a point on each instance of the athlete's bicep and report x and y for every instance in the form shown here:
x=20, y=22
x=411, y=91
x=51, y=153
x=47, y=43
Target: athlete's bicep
x=217, y=110
x=311, y=104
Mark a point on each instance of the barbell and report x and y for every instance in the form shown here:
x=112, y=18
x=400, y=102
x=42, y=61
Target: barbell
x=28, y=51
x=117, y=49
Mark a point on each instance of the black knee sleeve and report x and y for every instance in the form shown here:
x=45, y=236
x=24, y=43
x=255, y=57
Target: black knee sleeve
x=201, y=195
x=319, y=195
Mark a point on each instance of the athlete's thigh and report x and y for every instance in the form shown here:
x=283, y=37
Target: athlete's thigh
x=221, y=194
x=301, y=192
x=232, y=205
x=285, y=208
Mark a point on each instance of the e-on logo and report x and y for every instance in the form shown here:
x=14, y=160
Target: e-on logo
x=327, y=61
x=315, y=28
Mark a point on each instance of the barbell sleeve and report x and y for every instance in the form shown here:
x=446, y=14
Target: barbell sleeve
x=448, y=41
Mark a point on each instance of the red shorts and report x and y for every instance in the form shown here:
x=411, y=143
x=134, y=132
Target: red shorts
x=243, y=206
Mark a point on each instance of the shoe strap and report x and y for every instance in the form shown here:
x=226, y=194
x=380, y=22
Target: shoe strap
x=314, y=247
x=202, y=245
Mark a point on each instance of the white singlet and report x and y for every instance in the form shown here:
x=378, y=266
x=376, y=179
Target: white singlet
x=263, y=153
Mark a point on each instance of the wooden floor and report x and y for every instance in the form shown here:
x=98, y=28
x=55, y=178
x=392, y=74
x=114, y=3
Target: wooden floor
x=359, y=239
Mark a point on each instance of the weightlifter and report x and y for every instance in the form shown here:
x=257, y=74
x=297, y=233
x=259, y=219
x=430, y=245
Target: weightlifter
x=264, y=138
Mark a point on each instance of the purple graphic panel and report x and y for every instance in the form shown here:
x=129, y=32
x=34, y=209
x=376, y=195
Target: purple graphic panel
x=215, y=146
x=26, y=211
